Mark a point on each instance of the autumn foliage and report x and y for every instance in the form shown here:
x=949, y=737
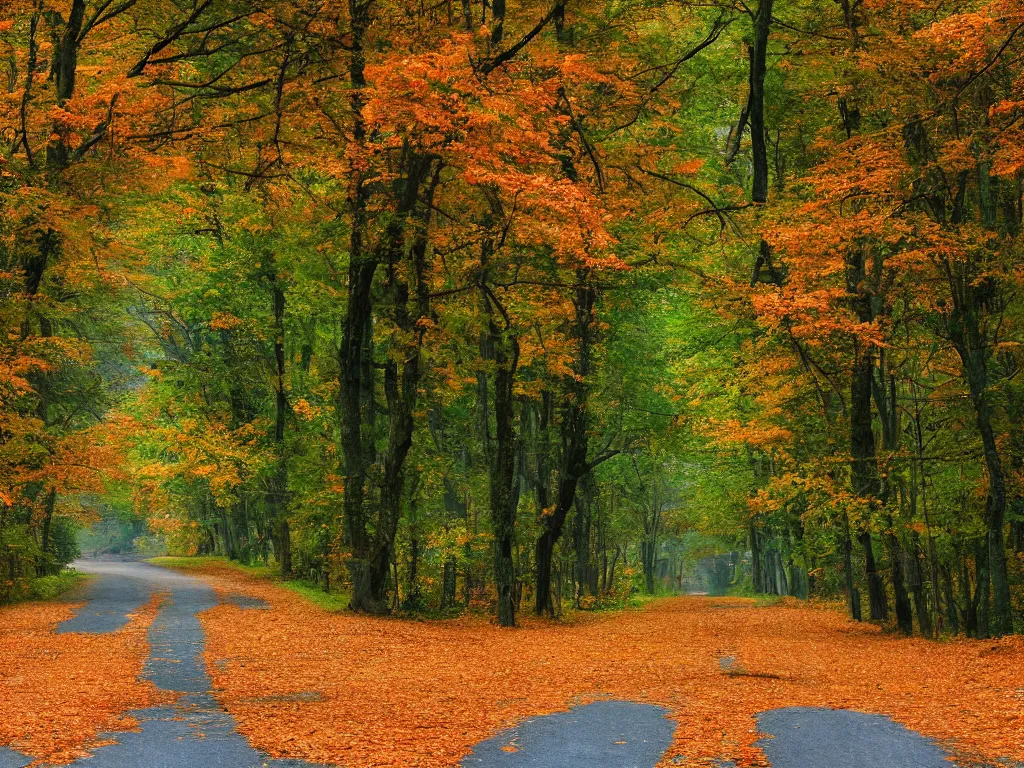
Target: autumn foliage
x=61, y=692
x=485, y=307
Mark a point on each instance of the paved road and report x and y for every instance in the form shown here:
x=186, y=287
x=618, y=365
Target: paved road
x=806, y=738
x=197, y=733
x=617, y=734
x=194, y=733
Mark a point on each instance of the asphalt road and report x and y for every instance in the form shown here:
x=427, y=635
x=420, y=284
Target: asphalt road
x=617, y=734
x=194, y=733
x=197, y=733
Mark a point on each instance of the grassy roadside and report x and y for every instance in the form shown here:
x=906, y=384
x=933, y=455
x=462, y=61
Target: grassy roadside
x=329, y=601
x=49, y=587
x=338, y=600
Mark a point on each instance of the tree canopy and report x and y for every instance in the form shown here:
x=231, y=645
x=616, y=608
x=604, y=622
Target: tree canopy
x=523, y=305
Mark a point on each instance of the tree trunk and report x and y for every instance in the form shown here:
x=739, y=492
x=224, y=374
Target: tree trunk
x=412, y=589
x=756, y=570
x=504, y=491
x=974, y=353
x=448, y=583
x=758, y=69
x=924, y=615
x=46, y=566
x=755, y=113
x=277, y=490
x=573, y=466
x=951, y=609
x=904, y=614
x=864, y=465
x=357, y=332
x=544, y=555
x=648, y=556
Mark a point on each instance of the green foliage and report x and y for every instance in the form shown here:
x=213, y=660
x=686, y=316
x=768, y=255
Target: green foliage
x=64, y=538
x=53, y=586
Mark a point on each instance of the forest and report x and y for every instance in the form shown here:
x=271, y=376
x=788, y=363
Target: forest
x=522, y=306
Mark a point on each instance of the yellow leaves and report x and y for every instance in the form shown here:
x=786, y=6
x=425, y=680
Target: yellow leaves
x=689, y=167
x=957, y=155
x=68, y=120
x=754, y=434
x=196, y=449
x=305, y=411
x=1009, y=156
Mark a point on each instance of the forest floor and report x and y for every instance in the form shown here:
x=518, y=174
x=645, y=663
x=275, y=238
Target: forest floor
x=393, y=692
x=302, y=682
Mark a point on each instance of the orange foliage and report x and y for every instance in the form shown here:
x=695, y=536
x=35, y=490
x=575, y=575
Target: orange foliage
x=400, y=693
x=59, y=692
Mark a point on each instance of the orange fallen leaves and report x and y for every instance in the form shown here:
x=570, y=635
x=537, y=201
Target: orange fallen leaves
x=59, y=692
x=374, y=692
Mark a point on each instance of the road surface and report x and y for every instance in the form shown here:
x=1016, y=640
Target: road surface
x=197, y=733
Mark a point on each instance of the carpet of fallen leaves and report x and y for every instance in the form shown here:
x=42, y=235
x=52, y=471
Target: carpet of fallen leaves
x=359, y=691
x=58, y=693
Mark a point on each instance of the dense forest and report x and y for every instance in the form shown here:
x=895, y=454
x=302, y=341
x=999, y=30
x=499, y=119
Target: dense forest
x=523, y=305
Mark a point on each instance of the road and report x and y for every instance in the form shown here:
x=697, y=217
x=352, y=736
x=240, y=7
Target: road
x=197, y=733
x=194, y=733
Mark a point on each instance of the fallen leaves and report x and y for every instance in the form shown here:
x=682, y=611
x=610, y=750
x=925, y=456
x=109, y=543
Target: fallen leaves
x=58, y=693
x=358, y=691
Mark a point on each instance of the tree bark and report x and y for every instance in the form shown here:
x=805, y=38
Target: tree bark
x=974, y=352
x=758, y=70
x=573, y=464
x=864, y=477
x=504, y=490
x=357, y=330
x=277, y=491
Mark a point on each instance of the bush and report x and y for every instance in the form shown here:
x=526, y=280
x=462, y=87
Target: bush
x=49, y=587
x=64, y=541
x=19, y=555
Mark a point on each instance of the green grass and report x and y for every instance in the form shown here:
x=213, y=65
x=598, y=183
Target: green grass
x=329, y=601
x=50, y=587
x=196, y=563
